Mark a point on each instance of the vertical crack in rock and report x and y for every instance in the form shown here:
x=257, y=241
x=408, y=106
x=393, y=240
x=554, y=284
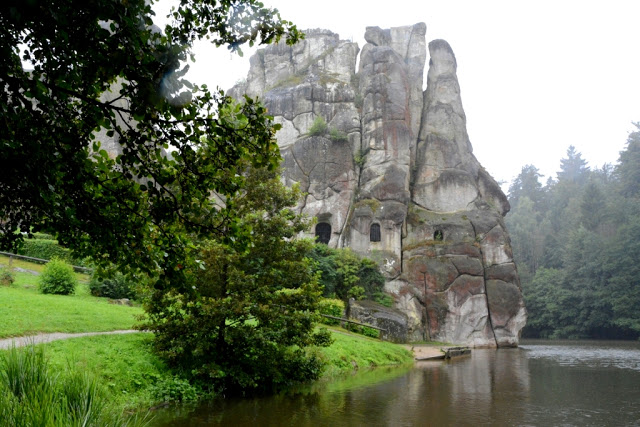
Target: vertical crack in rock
x=397, y=156
x=486, y=293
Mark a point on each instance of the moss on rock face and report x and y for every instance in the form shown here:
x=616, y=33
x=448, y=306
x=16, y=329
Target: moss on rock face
x=372, y=204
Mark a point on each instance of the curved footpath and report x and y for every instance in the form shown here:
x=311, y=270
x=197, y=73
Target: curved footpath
x=420, y=352
x=44, y=338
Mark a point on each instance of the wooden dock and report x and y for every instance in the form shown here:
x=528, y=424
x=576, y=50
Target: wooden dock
x=425, y=352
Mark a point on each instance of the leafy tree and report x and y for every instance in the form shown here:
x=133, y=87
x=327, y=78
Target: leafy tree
x=344, y=275
x=102, y=67
x=542, y=297
x=248, y=313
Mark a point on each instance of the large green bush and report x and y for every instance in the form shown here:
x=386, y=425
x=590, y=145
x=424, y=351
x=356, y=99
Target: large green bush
x=57, y=278
x=112, y=285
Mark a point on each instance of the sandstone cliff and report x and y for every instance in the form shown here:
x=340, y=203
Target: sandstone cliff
x=394, y=177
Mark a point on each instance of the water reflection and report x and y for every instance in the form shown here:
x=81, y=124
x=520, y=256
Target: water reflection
x=539, y=384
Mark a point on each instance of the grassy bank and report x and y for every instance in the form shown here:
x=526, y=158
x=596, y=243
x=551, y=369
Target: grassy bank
x=125, y=365
x=350, y=351
x=135, y=379
x=138, y=379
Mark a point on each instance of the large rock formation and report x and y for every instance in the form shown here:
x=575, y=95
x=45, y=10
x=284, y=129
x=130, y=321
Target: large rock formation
x=394, y=177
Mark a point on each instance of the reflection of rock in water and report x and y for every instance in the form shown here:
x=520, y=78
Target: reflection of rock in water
x=393, y=175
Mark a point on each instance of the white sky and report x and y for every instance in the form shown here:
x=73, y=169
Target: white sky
x=535, y=76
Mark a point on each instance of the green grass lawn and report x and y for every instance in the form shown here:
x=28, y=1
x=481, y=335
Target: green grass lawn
x=25, y=311
x=126, y=364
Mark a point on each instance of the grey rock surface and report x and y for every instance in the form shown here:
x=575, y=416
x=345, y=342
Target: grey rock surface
x=392, y=321
x=397, y=158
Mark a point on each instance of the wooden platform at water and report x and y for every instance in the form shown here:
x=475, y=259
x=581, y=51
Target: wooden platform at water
x=426, y=352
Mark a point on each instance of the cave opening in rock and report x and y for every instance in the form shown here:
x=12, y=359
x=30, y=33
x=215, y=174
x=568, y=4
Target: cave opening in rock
x=323, y=233
x=438, y=236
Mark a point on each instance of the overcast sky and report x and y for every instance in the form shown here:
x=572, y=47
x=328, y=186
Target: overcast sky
x=535, y=76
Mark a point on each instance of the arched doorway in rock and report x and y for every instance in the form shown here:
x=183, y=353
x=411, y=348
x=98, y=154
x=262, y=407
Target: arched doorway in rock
x=323, y=232
x=438, y=236
x=374, y=233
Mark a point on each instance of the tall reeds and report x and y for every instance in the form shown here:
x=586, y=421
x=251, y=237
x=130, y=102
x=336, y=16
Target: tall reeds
x=31, y=394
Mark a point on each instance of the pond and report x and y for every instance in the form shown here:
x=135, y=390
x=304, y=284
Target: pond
x=542, y=383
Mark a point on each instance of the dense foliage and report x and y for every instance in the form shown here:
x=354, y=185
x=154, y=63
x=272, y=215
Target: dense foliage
x=169, y=197
x=112, y=284
x=44, y=249
x=331, y=307
x=344, y=275
x=103, y=68
x=577, y=244
x=57, y=278
x=247, y=314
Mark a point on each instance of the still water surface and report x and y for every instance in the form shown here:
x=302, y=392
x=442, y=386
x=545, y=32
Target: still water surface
x=573, y=383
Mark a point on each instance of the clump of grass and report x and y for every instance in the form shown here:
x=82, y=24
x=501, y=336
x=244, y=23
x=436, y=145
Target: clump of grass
x=318, y=127
x=337, y=135
x=32, y=394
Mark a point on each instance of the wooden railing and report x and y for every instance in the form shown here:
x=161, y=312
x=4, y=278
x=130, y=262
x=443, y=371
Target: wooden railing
x=43, y=261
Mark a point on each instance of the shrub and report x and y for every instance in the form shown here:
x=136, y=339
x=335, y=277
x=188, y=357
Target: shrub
x=113, y=285
x=57, y=278
x=175, y=389
x=319, y=127
x=6, y=277
x=337, y=135
x=331, y=307
x=383, y=299
x=363, y=330
x=356, y=292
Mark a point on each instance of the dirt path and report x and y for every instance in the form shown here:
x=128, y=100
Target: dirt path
x=44, y=338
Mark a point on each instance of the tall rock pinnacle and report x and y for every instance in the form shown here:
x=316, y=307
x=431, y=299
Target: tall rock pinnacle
x=394, y=177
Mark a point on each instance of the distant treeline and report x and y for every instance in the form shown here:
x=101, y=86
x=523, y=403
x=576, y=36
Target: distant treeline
x=576, y=241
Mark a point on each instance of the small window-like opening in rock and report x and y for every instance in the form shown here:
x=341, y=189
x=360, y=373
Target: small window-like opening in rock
x=323, y=232
x=438, y=236
x=374, y=233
